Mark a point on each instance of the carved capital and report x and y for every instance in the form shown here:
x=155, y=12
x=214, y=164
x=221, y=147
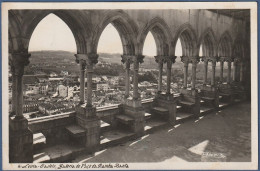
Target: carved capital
x=204, y=59
x=171, y=59
x=18, y=61
x=237, y=61
x=228, y=59
x=140, y=58
x=221, y=59
x=160, y=59
x=185, y=60
x=82, y=64
x=194, y=60
x=90, y=58
x=127, y=59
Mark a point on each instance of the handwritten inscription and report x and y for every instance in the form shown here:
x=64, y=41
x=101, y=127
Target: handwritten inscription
x=75, y=166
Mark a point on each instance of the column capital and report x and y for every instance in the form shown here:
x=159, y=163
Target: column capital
x=18, y=61
x=140, y=58
x=159, y=59
x=228, y=59
x=210, y=59
x=170, y=59
x=90, y=58
x=164, y=59
x=221, y=59
x=185, y=59
x=127, y=59
x=194, y=60
x=204, y=59
x=237, y=60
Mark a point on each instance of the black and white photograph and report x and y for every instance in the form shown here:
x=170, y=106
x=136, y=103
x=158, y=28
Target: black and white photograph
x=129, y=85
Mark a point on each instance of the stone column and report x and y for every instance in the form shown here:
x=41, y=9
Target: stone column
x=221, y=70
x=160, y=60
x=205, y=60
x=137, y=59
x=127, y=60
x=86, y=63
x=234, y=70
x=229, y=71
x=82, y=80
x=18, y=62
x=194, y=60
x=127, y=79
x=20, y=136
x=205, y=72
x=213, y=73
x=241, y=71
x=185, y=60
x=169, y=71
x=89, y=84
x=13, y=92
x=86, y=114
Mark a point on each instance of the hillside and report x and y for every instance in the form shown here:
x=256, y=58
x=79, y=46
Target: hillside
x=57, y=61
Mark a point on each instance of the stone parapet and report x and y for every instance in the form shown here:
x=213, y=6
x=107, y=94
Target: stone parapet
x=20, y=141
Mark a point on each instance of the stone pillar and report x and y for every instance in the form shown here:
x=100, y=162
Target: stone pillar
x=13, y=92
x=82, y=81
x=221, y=70
x=229, y=72
x=160, y=60
x=135, y=78
x=213, y=74
x=127, y=61
x=169, y=71
x=20, y=136
x=234, y=70
x=241, y=71
x=194, y=61
x=205, y=72
x=185, y=60
x=127, y=79
x=133, y=107
x=85, y=113
x=89, y=83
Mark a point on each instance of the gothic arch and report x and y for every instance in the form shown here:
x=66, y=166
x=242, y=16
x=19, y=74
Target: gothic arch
x=208, y=40
x=225, y=45
x=126, y=28
x=238, y=48
x=74, y=25
x=14, y=33
x=188, y=39
x=161, y=33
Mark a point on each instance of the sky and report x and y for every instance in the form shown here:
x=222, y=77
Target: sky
x=53, y=34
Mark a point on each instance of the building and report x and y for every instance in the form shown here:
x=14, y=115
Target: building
x=102, y=86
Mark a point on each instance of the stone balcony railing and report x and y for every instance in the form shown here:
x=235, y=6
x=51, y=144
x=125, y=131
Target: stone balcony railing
x=53, y=126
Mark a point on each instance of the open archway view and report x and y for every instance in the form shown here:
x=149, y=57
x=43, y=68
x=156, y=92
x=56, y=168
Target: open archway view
x=50, y=81
x=84, y=80
x=177, y=69
x=148, y=72
x=109, y=75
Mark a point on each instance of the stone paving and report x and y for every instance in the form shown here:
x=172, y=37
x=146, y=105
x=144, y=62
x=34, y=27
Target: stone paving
x=219, y=136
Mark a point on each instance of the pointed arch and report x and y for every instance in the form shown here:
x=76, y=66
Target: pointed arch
x=238, y=48
x=161, y=33
x=14, y=32
x=188, y=39
x=225, y=45
x=74, y=25
x=208, y=40
x=126, y=28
